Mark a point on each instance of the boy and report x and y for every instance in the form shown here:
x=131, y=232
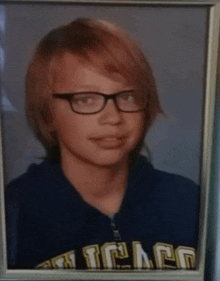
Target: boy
x=95, y=202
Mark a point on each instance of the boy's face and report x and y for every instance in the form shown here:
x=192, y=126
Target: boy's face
x=105, y=138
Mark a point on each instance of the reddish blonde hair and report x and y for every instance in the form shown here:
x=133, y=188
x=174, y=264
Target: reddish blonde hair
x=100, y=43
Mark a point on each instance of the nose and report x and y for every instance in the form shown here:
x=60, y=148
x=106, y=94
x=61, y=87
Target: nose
x=111, y=114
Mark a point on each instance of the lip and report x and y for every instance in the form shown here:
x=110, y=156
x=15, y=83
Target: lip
x=110, y=141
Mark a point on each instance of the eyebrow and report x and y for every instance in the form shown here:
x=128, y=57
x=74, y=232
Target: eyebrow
x=91, y=91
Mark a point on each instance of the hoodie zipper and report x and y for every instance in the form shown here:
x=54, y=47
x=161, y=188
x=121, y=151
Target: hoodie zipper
x=116, y=233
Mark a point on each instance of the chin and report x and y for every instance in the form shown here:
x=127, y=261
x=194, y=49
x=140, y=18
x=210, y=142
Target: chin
x=110, y=160
x=100, y=158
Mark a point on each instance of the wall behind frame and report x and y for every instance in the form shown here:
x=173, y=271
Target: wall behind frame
x=176, y=56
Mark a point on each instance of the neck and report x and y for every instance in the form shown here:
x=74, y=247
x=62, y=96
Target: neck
x=97, y=185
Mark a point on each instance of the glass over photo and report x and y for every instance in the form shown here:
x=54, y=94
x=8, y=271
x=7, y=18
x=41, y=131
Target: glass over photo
x=95, y=201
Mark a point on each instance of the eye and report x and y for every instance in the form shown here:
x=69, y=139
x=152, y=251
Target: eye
x=85, y=99
x=127, y=97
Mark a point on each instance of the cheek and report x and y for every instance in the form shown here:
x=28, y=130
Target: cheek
x=69, y=127
x=62, y=121
x=137, y=123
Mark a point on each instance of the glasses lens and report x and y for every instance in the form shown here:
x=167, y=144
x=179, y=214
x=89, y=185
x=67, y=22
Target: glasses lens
x=87, y=102
x=132, y=101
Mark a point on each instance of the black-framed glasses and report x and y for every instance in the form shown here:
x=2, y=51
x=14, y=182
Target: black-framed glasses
x=93, y=102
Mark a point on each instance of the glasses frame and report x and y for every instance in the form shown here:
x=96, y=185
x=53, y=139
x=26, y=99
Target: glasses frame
x=69, y=97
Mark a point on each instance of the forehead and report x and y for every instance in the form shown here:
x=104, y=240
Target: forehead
x=74, y=73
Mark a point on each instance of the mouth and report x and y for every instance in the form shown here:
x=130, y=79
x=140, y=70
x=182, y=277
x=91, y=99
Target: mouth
x=110, y=141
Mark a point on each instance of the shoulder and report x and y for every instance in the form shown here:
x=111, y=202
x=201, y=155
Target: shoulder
x=169, y=197
x=171, y=200
x=144, y=169
x=172, y=183
x=181, y=194
x=35, y=182
x=30, y=206
x=165, y=188
x=146, y=172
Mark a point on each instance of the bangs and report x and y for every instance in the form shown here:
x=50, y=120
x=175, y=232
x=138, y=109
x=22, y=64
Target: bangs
x=102, y=45
x=114, y=61
x=115, y=56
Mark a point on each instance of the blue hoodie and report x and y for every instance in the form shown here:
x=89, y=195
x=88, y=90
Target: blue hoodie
x=50, y=226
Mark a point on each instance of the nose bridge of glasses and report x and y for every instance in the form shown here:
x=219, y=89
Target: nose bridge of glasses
x=110, y=100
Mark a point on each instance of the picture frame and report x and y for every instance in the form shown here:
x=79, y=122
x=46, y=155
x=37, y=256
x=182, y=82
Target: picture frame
x=201, y=62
